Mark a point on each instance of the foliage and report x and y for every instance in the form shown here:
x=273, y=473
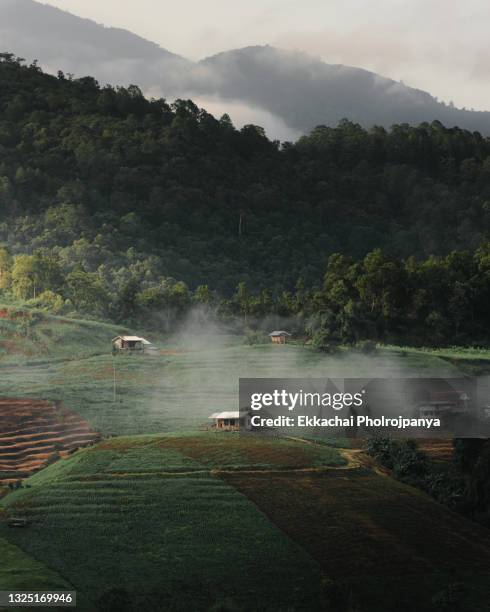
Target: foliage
x=126, y=206
x=413, y=466
x=472, y=456
x=367, y=347
x=321, y=342
x=401, y=456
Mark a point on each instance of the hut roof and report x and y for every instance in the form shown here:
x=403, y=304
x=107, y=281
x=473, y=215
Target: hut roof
x=279, y=333
x=132, y=339
x=230, y=414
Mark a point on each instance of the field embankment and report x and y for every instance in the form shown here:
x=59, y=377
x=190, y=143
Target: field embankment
x=36, y=432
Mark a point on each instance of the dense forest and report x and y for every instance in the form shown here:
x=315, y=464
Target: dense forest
x=120, y=207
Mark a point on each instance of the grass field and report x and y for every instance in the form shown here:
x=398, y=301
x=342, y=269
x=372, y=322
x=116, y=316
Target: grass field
x=177, y=389
x=20, y=572
x=384, y=545
x=163, y=526
x=207, y=520
x=164, y=516
x=30, y=336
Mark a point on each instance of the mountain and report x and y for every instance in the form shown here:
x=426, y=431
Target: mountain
x=307, y=92
x=62, y=41
x=301, y=90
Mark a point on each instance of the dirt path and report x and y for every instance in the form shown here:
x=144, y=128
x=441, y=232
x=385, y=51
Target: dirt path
x=353, y=457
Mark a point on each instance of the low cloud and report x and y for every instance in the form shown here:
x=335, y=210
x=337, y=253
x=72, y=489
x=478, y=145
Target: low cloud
x=442, y=64
x=242, y=114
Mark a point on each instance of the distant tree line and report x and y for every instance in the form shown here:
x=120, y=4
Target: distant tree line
x=434, y=302
x=135, y=210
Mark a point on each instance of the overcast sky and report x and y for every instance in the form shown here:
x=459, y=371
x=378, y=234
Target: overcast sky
x=441, y=46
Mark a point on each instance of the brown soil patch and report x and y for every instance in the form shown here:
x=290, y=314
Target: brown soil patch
x=438, y=450
x=34, y=432
x=5, y=313
x=375, y=537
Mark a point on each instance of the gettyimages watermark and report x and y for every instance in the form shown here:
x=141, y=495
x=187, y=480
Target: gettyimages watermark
x=401, y=407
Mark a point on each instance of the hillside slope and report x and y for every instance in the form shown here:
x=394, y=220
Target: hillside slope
x=62, y=41
x=169, y=527
x=29, y=335
x=20, y=572
x=111, y=183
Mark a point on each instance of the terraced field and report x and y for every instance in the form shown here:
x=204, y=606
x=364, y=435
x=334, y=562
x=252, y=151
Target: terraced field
x=19, y=571
x=175, y=519
x=212, y=521
x=383, y=545
x=34, y=432
x=440, y=451
x=163, y=527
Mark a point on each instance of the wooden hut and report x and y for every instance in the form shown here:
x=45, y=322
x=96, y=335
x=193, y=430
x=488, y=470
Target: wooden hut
x=279, y=337
x=231, y=420
x=130, y=343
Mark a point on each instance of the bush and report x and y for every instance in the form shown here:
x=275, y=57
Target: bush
x=49, y=301
x=402, y=456
x=255, y=337
x=366, y=346
x=447, y=487
x=382, y=449
x=321, y=341
x=409, y=462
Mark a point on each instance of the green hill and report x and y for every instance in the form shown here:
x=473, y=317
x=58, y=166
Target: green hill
x=200, y=522
x=20, y=572
x=190, y=377
x=165, y=530
x=29, y=335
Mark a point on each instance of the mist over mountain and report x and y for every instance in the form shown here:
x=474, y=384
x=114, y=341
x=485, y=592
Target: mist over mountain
x=307, y=92
x=62, y=41
x=288, y=92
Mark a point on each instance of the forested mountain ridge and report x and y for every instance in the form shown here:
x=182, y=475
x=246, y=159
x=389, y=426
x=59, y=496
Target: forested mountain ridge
x=118, y=195
x=301, y=90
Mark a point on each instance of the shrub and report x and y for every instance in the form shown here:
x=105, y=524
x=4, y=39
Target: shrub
x=409, y=462
x=321, y=341
x=366, y=346
x=401, y=456
x=49, y=301
x=447, y=487
x=382, y=450
x=254, y=337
